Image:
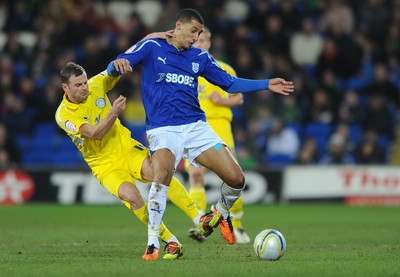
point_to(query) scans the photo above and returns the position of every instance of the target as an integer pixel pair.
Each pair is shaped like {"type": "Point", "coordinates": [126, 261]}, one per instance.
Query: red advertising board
{"type": "Point", "coordinates": [16, 187]}
{"type": "Point", "coordinates": [356, 185]}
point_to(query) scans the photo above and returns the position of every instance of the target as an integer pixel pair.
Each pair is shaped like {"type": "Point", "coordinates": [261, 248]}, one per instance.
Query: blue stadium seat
{"type": "Point", "coordinates": [39, 152]}
{"type": "Point", "coordinates": [296, 127]}
{"type": "Point", "coordinates": [41, 144]}
{"type": "Point", "coordinates": [37, 158]}
{"type": "Point", "coordinates": [65, 144]}
{"type": "Point", "coordinates": [23, 143]}
{"type": "Point", "coordinates": [46, 129]}
{"type": "Point", "coordinates": [357, 83]}
{"type": "Point", "coordinates": [238, 114]}
{"type": "Point", "coordinates": [320, 132]}
{"type": "Point", "coordinates": [356, 133]}
{"type": "Point", "coordinates": [279, 160]}
{"type": "Point", "coordinates": [363, 100]}
{"type": "Point", "coordinates": [68, 159]}
{"type": "Point", "coordinates": [384, 142]}
{"type": "Point", "coordinates": [309, 70]}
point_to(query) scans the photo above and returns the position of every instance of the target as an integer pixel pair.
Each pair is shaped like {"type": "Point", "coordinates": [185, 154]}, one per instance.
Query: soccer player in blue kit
{"type": "Point", "coordinates": [175, 124]}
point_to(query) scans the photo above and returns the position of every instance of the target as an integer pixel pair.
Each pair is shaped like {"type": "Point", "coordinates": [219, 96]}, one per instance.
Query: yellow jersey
{"type": "Point", "coordinates": [205, 89]}
{"type": "Point", "coordinates": [100, 155]}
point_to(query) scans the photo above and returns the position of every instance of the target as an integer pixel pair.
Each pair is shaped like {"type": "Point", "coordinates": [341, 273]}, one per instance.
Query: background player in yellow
{"type": "Point", "coordinates": [116, 159]}
{"type": "Point", "coordinates": [216, 104]}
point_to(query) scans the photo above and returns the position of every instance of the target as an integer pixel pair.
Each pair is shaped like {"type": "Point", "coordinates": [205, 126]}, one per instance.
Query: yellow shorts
{"type": "Point", "coordinates": [125, 169]}
{"type": "Point", "coordinates": [223, 129]}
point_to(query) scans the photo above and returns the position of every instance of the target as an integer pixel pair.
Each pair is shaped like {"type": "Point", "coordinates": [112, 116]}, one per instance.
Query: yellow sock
{"type": "Point", "coordinates": [199, 197]}
{"type": "Point", "coordinates": [141, 213]}
{"type": "Point", "coordinates": [237, 213]}
{"type": "Point", "coordinates": [181, 198]}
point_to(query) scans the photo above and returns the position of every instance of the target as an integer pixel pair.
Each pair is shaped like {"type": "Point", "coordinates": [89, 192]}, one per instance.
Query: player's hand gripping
{"type": "Point", "coordinates": [162, 35]}
{"type": "Point", "coordinates": [216, 98]}
{"type": "Point", "coordinates": [118, 105]}
{"type": "Point", "coordinates": [122, 65]}
{"type": "Point", "coordinates": [279, 85]}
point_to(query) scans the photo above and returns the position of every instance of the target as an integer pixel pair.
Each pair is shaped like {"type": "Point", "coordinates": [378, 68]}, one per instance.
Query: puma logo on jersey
{"type": "Point", "coordinates": [163, 60]}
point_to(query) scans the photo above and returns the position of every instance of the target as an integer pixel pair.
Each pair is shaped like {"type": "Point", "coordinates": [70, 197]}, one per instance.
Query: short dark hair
{"type": "Point", "coordinates": [187, 15]}
{"type": "Point", "coordinates": [70, 69]}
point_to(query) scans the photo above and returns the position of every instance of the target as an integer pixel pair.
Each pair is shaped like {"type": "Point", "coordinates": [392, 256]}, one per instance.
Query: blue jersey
{"type": "Point", "coordinates": [169, 81]}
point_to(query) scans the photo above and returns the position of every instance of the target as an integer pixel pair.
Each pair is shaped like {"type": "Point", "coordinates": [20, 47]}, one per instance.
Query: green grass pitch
{"type": "Point", "coordinates": [322, 240]}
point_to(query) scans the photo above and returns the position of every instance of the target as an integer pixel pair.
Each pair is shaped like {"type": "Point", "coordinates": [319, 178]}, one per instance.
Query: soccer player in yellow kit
{"type": "Point", "coordinates": [216, 104]}
{"type": "Point", "coordinates": [116, 159]}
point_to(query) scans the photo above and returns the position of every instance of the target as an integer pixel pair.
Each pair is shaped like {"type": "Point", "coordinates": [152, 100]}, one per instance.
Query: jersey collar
{"type": "Point", "coordinates": [71, 105]}
{"type": "Point", "coordinates": [68, 104]}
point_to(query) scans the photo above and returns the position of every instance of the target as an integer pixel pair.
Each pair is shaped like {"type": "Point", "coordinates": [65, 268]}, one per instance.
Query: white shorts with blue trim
{"type": "Point", "coordinates": [184, 141]}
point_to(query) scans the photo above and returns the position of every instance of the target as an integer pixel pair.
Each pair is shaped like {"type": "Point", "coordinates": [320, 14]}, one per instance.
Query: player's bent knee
{"type": "Point", "coordinates": [136, 201]}
{"type": "Point", "coordinates": [147, 170]}
{"type": "Point", "coordinates": [236, 180]}
{"type": "Point", "coordinates": [240, 181]}
{"type": "Point", "coordinates": [129, 193]}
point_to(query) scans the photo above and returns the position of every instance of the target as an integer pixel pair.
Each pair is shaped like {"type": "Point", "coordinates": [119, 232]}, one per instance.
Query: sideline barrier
{"type": "Point", "coordinates": [74, 186]}
{"type": "Point", "coordinates": [355, 185]}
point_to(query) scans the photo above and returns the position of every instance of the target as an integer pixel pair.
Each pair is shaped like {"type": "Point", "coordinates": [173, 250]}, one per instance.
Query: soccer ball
{"type": "Point", "coordinates": [269, 244]}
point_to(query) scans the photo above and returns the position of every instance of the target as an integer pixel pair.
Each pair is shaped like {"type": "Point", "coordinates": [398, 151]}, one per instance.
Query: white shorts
{"type": "Point", "coordinates": [184, 141]}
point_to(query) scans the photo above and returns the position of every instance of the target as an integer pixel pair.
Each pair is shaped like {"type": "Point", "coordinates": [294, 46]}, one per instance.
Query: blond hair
{"type": "Point", "coordinates": [207, 32]}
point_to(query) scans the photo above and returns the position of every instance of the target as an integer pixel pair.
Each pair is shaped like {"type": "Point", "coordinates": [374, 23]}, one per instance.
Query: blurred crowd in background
{"type": "Point", "coordinates": [343, 56]}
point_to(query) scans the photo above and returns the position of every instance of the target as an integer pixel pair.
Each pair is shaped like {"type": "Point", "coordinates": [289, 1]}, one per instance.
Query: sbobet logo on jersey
{"type": "Point", "coordinates": [176, 79]}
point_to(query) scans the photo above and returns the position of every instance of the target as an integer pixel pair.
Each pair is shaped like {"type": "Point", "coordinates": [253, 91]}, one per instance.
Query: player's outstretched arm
{"type": "Point", "coordinates": [279, 85]}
